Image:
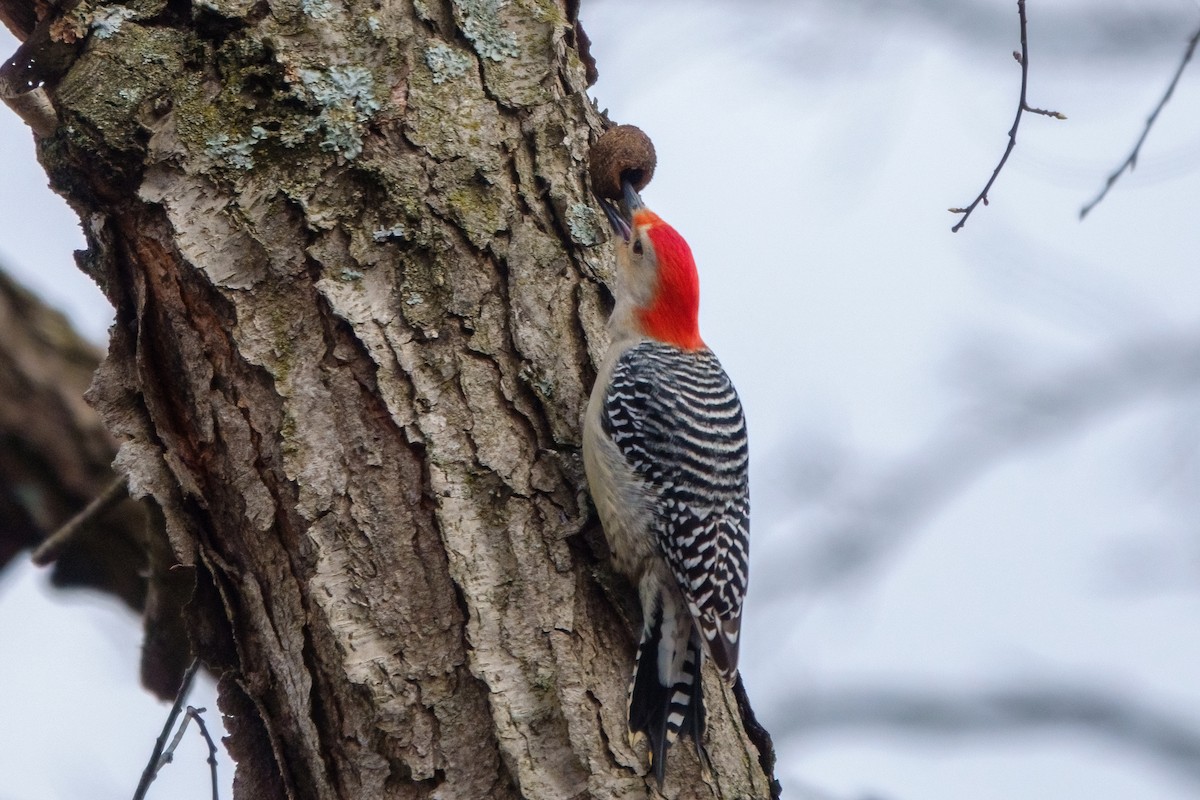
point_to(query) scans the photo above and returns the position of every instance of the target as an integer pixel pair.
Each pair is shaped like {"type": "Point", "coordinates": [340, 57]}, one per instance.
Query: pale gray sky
{"type": "Point", "coordinates": [809, 155]}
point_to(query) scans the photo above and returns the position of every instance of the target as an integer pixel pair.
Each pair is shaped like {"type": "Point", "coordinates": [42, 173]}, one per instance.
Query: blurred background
{"type": "Point", "coordinates": [976, 455]}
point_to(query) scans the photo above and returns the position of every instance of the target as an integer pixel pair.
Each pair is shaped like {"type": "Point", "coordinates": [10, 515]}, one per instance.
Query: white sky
{"type": "Point", "coordinates": [809, 158]}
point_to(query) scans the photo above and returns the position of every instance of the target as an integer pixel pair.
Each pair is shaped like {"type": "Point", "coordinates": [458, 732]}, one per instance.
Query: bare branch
{"type": "Point", "coordinates": [156, 755]}
{"type": "Point", "coordinates": [1022, 58]}
{"type": "Point", "coordinates": [1131, 161]}
{"type": "Point", "coordinates": [1001, 711]}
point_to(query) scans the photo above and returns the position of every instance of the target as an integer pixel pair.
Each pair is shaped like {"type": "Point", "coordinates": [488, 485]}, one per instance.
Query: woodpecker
{"type": "Point", "coordinates": [665, 452]}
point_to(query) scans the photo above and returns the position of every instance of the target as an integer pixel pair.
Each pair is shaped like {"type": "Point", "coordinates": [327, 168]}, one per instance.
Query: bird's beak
{"type": "Point", "coordinates": [620, 217]}
{"type": "Point", "coordinates": [632, 202]}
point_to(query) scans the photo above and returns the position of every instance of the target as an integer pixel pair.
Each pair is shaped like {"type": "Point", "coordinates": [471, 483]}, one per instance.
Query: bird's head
{"type": "Point", "coordinates": [658, 289]}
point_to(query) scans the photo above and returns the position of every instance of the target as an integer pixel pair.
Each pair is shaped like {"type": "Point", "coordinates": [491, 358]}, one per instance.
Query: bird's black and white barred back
{"type": "Point", "coordinates": [677, 420]}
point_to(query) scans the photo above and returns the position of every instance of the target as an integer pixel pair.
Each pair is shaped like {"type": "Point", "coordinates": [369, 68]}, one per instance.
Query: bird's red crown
{"type": "Point", "coordinates": [672, 316]}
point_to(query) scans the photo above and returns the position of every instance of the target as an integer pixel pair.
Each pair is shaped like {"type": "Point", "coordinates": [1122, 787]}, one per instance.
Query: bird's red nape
{"type": "Point", "coordinates": [673, 315]}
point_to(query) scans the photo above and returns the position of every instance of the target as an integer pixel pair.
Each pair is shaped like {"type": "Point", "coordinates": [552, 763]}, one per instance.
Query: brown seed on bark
{"type": "Point", "coordinates": [621, 152]}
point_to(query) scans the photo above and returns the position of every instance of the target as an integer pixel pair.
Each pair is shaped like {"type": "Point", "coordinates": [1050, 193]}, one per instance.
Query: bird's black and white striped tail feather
{"type": "Point", "coordinates": [659, 712]}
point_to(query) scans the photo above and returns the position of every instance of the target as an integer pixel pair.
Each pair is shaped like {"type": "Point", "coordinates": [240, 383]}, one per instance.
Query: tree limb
{"type": "Point", "coordinates": [55, 459]}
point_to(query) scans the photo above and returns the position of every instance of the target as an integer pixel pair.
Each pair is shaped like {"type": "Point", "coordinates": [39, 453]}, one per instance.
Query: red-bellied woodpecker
{"type": "Point", "coordinates": [664, 446]}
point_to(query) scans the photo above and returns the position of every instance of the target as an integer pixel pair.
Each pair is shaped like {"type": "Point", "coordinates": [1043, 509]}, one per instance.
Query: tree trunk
{"type": "Point", "coordinates": [359, 301]}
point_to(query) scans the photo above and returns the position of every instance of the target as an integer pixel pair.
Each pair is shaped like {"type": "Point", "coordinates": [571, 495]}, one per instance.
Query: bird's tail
{"type": "Point", "coordinates": [665, 695]}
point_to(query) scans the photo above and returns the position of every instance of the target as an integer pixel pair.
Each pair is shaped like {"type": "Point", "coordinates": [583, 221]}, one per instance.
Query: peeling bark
{"type": "Point", "coordinates": [360, 295]}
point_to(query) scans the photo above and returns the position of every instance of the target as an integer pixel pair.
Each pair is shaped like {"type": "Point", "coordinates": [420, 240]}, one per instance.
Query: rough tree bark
{"type": "Point", "coordinates": [360, 293]}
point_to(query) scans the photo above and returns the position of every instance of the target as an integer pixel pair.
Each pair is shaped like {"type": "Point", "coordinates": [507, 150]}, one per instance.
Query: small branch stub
{"type": "Point", "coordinates": [621, 152]}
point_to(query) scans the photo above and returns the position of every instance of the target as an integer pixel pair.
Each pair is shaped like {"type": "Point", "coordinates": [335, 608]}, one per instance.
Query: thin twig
{"type": "Point", "coordinates": [50, 549]}
{"type": "Point", "coordinates": [1131, 162]}
{"type": "Point", "coordinates": [195, 713]}
{"type": "Point", "coordinates": [1022, 106]}
{"type": "Point", "coordinates": [156, 755]}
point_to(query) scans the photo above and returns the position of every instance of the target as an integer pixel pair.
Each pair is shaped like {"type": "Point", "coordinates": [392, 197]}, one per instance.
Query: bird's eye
{"type": "Point", "coordinates": [637, 247]}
